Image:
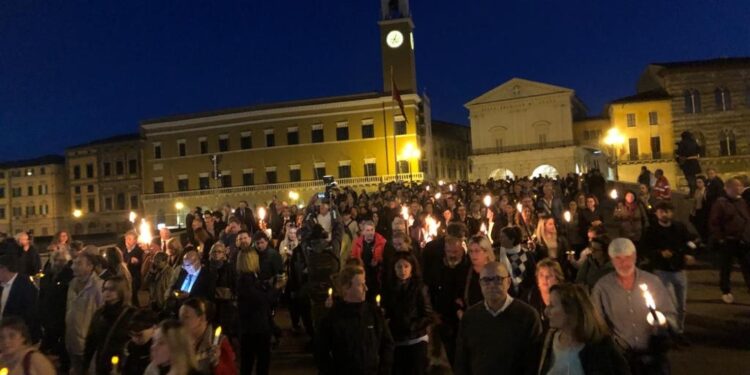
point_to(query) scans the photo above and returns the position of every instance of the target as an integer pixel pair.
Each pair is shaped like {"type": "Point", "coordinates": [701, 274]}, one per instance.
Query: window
{"type": "Point", "coordinates": [183, 184]}
{"type": "Point", "coordinates": [77, 172]}
{"type": "Point", "coordinates": [319, 170]}
{"type": "Point", "coordinates": [342, 131]}
{"type": "Point", "coordinates": [42, 170]}
{"type": "Point", "coordinates": [134, 202]}
{"type": "Point", "coordinates": [368, 131]}
{"type": "Point", "coordinates": [30, 210]}
{"type": "Point", "coordinates": [2, 213]}
{"type": "Point", "coordinates": [248, 177]}
{"type": "Point", "coordinates": [246, 141]}
{"type": "Point", "coordinates": [317, 133]}
{"type": "Point", "coordinates": [292, 136]}
{"type": "Point", "coordinates": [223, 143]}
{"type": "Point", "coordinates": [158, 186]}
{"type": "Point", "coordinates": [91, 204]}
{"type": "Point", "coordinates": [77, 189]}
{"type": "Point", "coordinates": [78, 204]}
{"type": "Point", "coordinates": [30, 191]}
{"type": "Point", "coordinates": [403, 166]}
{"type": "Point", "coordinates": [655, 148]}
{"type": "Point", "coordinates": [2, 192]}
{"type": "Point", "coordinates": [108, 204]}
{"type": "Point", "coordinates": [295, 175]}
{"type": "Point", "coordinates": [542, 139]}
{"type": "Point", "coordinates": [203, 145]}
{"type": "Point", "coordinates": [692, 101]}
{"type": "Point", "coordinates": [89, 188]}
{"type": "Point", "coordinates": [727, 143]}
{"type": "Point", "coordinates": [181, 148]}
{"type": "Point", "coordinates": [42, 190]}
{"type": "Point", "coordinates": [630, 117]}
{"type": "Point", "coordinates": [120, 201]}
{"type": "Point", "coordinates": [633, 148]}
{"type": "Point", "coordinates": [119, 168]}
{"type": "Point", "coordinates": [132, 166]}
{"type": "Point", "coordinates": [2, 175]}
{"type": "Point", "coordinates": [399, 125]}
{"type": "Point", "coordinates": [271, 176]}
{"type": "Point", "coordinates": [371, 168]}
{"type": "Point", "coordinates": [723, 99]}
{"type": "Point", "coordinates": [89, 170]}
{"type": "Point", "coordinates": [203, 182]}
{"type": "Point", "coordinates": [107, 167]}
{"type": "Point", "coordinates": [270, 138]}
{"type": "Point", "coordinates": [17, 192]}
{"type": "Point", "coordinates": [653, 118]}
{"type": "Point", "coordinates": [157, 150]}
{"type": "Point", "coordinates": [16, 211]}
{"type": "Point", "coordinates": [43, 209]}
{"type": "Point", "coordinates": [226, 180]}
{"type": "Point", "coordinates": [345, 170]}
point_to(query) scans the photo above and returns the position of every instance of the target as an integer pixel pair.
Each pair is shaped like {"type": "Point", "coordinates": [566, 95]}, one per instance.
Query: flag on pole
{"type": "Point", "coordinates": [396, 96]}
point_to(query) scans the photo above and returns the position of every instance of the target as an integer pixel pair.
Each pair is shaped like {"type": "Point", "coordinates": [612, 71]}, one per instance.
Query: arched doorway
{"type": "Point", "coordinates": [501, 174]}
{"type": "Point", "coordinates": [545, 170]}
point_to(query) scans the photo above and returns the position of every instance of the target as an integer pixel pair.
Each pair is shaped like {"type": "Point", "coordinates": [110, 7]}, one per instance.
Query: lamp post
{"type": "Point", "coordinates": [410, 153]}
{"type": "Point", "coordinates": [179, 206]}
{"type": "Point", "coordinates": [614, 139]}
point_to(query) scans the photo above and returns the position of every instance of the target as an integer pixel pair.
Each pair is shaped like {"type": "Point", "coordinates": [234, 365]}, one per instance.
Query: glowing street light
{"type": "Point", "coordinates": [179, 205]}
{"type": "Point", "coordinates": [293, 195]}
{"type": "Point", "coordinates": [77, 213]}
{"type": "Point", "coordinates": [614, 139]}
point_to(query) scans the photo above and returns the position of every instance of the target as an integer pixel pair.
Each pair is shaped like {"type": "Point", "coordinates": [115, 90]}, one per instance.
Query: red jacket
{"type": "Point", "coordinates": [377, 249]}
{"type": "Point", "coordinates": [662, 190]}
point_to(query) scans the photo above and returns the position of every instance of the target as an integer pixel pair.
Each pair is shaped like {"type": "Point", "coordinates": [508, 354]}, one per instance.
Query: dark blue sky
{"type": "Point", "coordinates": [73, 71]}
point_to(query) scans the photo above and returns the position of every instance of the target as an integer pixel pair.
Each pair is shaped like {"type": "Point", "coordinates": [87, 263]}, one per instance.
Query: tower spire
{"type": "Point", "coordinates": [394, 9]}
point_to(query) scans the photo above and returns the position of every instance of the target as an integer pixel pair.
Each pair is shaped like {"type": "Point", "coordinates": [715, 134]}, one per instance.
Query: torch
{"type": "Point", "coordinates": [144, 235]}
{"type": "Point", "coordinates": [654, 317]}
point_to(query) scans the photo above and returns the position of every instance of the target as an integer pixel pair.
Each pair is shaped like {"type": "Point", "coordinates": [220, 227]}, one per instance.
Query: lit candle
{"type": "Point", "coordinates": [441, 182]}
{"type": "Point", "coordinates": [487, 200]}
{"type": "Point", "coordinates": [132, 217]}
{"type": "Point", "coordinates": [261, 213]}
{"type": "Point", "coordinates": [330, 292]}
{"type": "Point", "coordinates": [654, 317]}
{"type": "Point", "coordinates": [427, 188]}
{"type": "Point", "coordinates": [217, 335]}
{"type": "Point", "coordinates": [115, 360]}
{"type": "Point", "coordinates": [144, 235]}
{"type": "Point", "coordinates": [377, 300]}
{"type": "Point", "coordinates": [432, 228]}
{"type": "Point", "coordinates": [566, 215]}
{"type": "Point", "coordinates": [613, 194]}
{"type": "Point", "coordinates": [519, 207]}
{"type": "Point", "coordinates": [438, 195]}
{"type": "Point", "coordinates": [4, 371]}
{"type": "Point", "coordinates": [450, 187]}
{"type": "Point", "coordinates": [405, 212]}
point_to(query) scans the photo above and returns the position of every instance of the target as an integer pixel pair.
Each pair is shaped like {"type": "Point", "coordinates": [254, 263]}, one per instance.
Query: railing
{"type": "Point", "coordinates": [302, 185]}
{"type": "Point", "coordinates": [524, 147]}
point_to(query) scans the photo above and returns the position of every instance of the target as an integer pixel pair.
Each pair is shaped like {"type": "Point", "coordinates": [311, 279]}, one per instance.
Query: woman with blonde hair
{"type": "Point", "coordinates": [578, 341]}
{"type": "Point", "coordinates": [480, 253]}
{"type": "Point", "coordinates": [549, 244]}
{"type": "Point", "coordinates": [171, 351]}
{"type": "Point", "coordinates": [548, 274]}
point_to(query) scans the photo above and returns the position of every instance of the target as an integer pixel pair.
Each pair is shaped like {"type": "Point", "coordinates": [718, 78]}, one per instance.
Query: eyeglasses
{"type": "Point", "coordinates": [493, 279]}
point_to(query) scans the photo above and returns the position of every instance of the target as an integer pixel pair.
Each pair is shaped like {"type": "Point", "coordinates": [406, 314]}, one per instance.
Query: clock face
{"type": "Point", "coordinates": [394, 39]}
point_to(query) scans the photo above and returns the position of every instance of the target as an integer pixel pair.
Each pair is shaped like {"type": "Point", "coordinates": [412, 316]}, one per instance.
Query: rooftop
{"type": "Point", "coordinates": [717, 62]}
{"type": "Point", "coordinates": [114, 139]}
{"type": "Point", "coordinates": [42, 160]}
{"type": "Point", "coordinates": [658, 94]}
{"type": "Point", "coordinates": [257, 107]}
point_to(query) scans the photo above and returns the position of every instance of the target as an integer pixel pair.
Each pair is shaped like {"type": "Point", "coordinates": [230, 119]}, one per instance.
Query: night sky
{"type": "Point", "coordinates": [73, 71]}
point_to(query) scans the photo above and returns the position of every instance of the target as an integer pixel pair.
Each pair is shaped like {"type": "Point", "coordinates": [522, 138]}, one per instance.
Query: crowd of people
{"type": "Point", "coordinates": [521, 276]}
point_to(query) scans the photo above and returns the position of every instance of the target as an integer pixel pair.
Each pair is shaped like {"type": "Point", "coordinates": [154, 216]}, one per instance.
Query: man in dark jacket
{"type": "Point", "coordinates": [246, 216]}
{"type": "Point", "coordinates": [194, 281]}
{"type": "Point", "coordinates": [645, 177]}
{"type": "Point", "coordinates": [28, 257]}
{"type": "Point", "coordinates": [729, 225]}
{"type": "Point", "coordinates": [19, 296]}
{"type": "Point", "coordinates": [714, 187]}
{"type": "Point", "coordinates": [688, 153]}
{"type": "Point", "coordinates": [132, 254]}
{"type": "Point", "coordinates": [668, 251]}
{"type": "Point", "coordinates": [354, 337]}
{"type": "Point", "coordinates": [53, 291]}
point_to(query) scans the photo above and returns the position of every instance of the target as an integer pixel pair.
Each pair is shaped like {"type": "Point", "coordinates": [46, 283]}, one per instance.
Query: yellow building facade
{"type": "Point", "coordinates": [644, 122]}
{"type": "Point", "coordinates": [33, 197]}
{"type": "Point", "coordinates": [258, 152]}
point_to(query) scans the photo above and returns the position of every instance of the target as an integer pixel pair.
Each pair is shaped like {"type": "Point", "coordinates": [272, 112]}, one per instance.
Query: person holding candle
{"type": "Point", "coordinates": [549, 244]}
{"type": "Point", "coordinates": [194, 280]}
{"type": "Point", "coordinates": [617, 298]}
{"type": "Point", "coordinates": [214, 356]}
{"type": "Point", "coordinates": [578, 341]}
{"type": "Point", "coordinates": [17, 353]}
{"type": "Point", "coordinates": [135, 356]}
{"type": "Point", "coordinates": [108, 332]}
{"type": "Point", "coordinates": [575, 238]}
{"type": "Point", "coordinates": [354, 337]}
{"type": "Point", "coordinates": [171, 351]}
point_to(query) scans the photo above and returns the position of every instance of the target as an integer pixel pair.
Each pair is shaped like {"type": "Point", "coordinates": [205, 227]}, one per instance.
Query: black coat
{"type": "Point", "coordinates": [53, 292]}
{"type": "Point", "coordinates": [29, 262]}
{"type": "Point", "coordinates": [253, 304]}
{"type": "Point", "coordinates": [408, 309]}
{"type": "Point", "coordinates": [204, 287]}
{"type": "Point", "coordinates": [107, 336]}
{"type": "Point", "coordinates": [22, 303]}
{"type": "Point", "coordinates": [354, 339]}
{"type": "Point", "coordinates": [600, 358]}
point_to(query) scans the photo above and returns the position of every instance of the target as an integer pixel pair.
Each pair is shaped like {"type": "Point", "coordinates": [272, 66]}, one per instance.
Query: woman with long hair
{"type": "Point", "coordinates": [211, 358]}
{"type": "Point", "coordinates": [114, 264]}
{"type": "Point", "coordinates": [62, 240]}
{"type": "Point", "coordinates": [171, 351]}
{"type": "Point", "coordinates": [551, 245]}
{"type": "Point", "coordinates": [578, 341]}
{"type": "Point", "coordinates": [590, 216]}
{"type": "Point", "coordinates": [409, 314]}
{"type": "Point", "coordinates": [480, 253]}
{"type": "Point", "coordinates": [548, 274]}
{"type": "Point", "coordinates": [108, 332]}
{"type": "Point", "coordinates": [17, 354]}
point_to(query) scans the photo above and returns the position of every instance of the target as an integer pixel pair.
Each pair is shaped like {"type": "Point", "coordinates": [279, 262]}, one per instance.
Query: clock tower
{"type": "Point", "coordinates": [397, 46]}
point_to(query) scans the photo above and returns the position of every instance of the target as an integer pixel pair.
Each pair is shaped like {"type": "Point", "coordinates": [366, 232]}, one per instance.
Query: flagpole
{"type": "Point", "coordinates": [395, 152]}
{"type": "Point", "coordinates": [385, 138]}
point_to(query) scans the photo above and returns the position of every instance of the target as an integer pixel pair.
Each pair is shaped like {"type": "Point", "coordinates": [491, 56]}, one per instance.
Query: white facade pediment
{"type": "Point", "coordinates": [517, 88]}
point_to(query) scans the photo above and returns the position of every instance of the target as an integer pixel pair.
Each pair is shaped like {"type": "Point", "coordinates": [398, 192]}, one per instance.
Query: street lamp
{"type": "Point", "coordinates": [179, 206]}
{"type": "Point", "coordinates": [614, 139]}
{"type": "Point", "coordinates": [410, 153]}
{"type": "Point", "coordinates": [77, 213]}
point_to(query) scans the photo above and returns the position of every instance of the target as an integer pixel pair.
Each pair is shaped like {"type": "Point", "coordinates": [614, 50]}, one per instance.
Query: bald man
{"type": "Point", "coordinates": [194, 279]}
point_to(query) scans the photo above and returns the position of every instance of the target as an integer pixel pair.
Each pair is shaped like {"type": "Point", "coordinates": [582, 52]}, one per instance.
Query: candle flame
{"type": "Point", "coordinates": [648, 297]}
{"type": "Point", "coordinates": [566, 215]}
{"type": "Point", "coordinates": [432, 227]}
{"type": "Point", "coordinates": [132, 217]}
{"type": "Point", "coordinates": [427, 188]}
{"type": "Point", "coordinates": [613, 194]}
{"type": "Point", "coordinates": [377, 299]}
{"type": "Point", "coordinates": [405, 212]}
{"type": "Point", "coordinates": [330, 292]}
{"type": "Point", "coordinates": [487, 200]}
{"type": "Point", "coordinates": [438, 195]}
{"type": "Point", "coordinates": [450, 187]}
{"type": "Point", "coordinates": [144, 230]}
{"type": "Point", "coordinates": [261, 213]}
{"type": "Point", "coordinates": [217, 335]}
{"type": "Point", "coordinates": [115, 360]}
{"type": "Point", "coordinates": [519, 207]}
